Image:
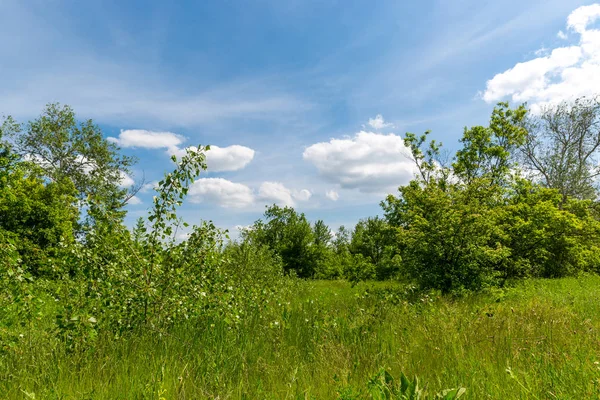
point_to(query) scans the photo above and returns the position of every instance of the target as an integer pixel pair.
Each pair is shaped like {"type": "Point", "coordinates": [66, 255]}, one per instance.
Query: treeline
{"type": "Point", "coordinates": [517, 200]}
{"type": "Point", "coordinates": [367, 252]}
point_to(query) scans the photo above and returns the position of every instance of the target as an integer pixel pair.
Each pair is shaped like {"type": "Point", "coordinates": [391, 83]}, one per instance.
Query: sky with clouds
{"type": "Point", "coordinates": [303, 102]}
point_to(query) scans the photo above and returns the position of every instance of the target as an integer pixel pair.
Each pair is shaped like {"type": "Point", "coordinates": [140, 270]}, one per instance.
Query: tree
{"type": "Point", "coordinates": [448, 229]}
{"type": "Point", "coordinates": [546, 237]}
{"type": "Point", "coordinates": [41, 215]}
{"type": "Point", "coordinates": [290, 236]}
{"type": "Point", "coordinates": [322, 234]}
{"type": "Point", "coordinates": [67, 150]}
{"type": "Point", "coordinates": [486, 151]}
{"type": "Point", "coordinates": [38, 215]}
{"type": "Point", "coordinates": [562, 147]}
{"type": "Point", "coordinates": [322, 255]}
{"type": "Point", "coordinates": [375, 241]}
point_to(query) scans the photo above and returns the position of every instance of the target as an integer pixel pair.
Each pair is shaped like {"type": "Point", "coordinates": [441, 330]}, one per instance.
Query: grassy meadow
{"type": "Point", "coordinates": [539, 340]}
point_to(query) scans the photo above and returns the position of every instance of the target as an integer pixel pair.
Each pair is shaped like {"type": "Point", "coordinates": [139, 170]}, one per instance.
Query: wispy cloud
{"type": "Point", "coordinates": [44, 62]}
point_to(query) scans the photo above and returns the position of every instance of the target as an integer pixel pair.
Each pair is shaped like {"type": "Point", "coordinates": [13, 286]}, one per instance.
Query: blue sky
{"type": "Point", "coordinates": [285, 90]}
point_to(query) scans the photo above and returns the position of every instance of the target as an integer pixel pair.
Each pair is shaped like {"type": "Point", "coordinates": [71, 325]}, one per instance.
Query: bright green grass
{"type": "Point", "coordinates": [331, 338]}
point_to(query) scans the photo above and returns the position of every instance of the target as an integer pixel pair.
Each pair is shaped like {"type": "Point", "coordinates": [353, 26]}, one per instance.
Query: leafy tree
{"type": "Point", "coordinates": [66, 150]}
{"type": "Point", "coordinates": [42, 217]}
{"type": "Point", "coordinates": [290, 236]}
{"type": "Point", "coordinates": [8, 159]}
{"type": "Point", "coordinates": [150, 277]}
{"type": "Point", "coordinates": [562, 147]}
{"type": "Point", "coordinates": [486, 151]}
{"type": "Point", "coordinates": [375, 241]}
{"type": "Point", "coordinates": [39, 216]}
{"type": "Point", "coordinates": [546, 237]}
{"type": "Point", "coordinates": [447, 229]}
{"type": "Point", "coordinates": [322, 234]}
{"type": "Point", "coordinates": [325, 263]}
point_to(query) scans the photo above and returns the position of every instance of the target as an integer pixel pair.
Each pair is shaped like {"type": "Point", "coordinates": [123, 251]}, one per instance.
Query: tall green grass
{"type": "Point", "coordinates": [539, 340]}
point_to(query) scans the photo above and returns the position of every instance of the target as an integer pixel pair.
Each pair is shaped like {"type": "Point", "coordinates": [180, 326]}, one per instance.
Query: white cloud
{"type": "Point", "coordinates": [332, 195]}
{"type": "Point", "coordinates": [370, 162]}
{"type": "Point", "coordinates": [126, 180]}
{"type": "Point", "coordinates": [182, 236]}
{"type": "Point", "coordinates": [561, 35]}
{"type": "Point", "coordinates": [222, 192]}
{"type": "Point", "coordinates": [237, 195]}
{"type": "Point", "coordinates": [277, 193]}
{"type": "Point", "coordinates": [582, 17]}
{"type": "Point", "coordinates": [564, 74]}
{"type": "Point", "coordinates": [302, 195]}
{"type": "Point", "coordinates": [218, 159]}
{"type": "Point", "coordinates": [146, 187]}
{"type": "Point", "coordinates": [134, 200]}
{"type": "Point", "coordinates": [230, 158]}
{"type": "Point", "coordinates": [147, 139]}
{"type": "Point", "coordinates": [378, 122]}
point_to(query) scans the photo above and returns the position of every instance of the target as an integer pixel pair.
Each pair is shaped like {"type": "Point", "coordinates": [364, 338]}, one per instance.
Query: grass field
{"type": "Point", "coordinates": [539, 340]}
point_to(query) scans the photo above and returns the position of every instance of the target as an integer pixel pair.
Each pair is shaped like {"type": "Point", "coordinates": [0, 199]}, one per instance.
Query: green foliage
{"type": "Point", "coordinates": [360, 269]}
{"type": "Point", "coordinates": [375, 242]}
{"type": "Point", "coordinates": [486, 152]}
{"type": "Point", "coordinates": [65, 150]}
{"type": "Point", "coordinates": [383, 386]}
{"type": "Point", "coordinates": [477, 224]}
{"type": "Point", "coordinates": [547, 237]}
{"type": "Point", "coordinates": [42, 216]}
{"type": "Point", "coordinates": [100, 311]}
{"type": "Point", "coordinates": [329, 342]}
{"type": "Point", "coordinates": [290, 236]}
{"type": "Point", "coordinates": [448, 238]}
{"type": "Point", "coordinates": [150, 279]}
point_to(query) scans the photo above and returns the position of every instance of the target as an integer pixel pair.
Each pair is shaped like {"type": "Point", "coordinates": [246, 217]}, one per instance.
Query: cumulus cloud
{"type": "Point", "coordinates": [126, 180]}
{"type": "Point", "coordinates": [146, 187]}
{"type": "Point", "coordinates": [579, 19]}
{"type": "Point", "coordinates": [332, 195]}
{"type": "Point", "coordinates": [378, 122]}
{"type": "Point", "coordinates": [222, 192]}
{"type": "Point", "coordinates": [218, 159]}
{"type": "Point", "coordinates": [230, 158]}
{"type": "Point", "coordinates": [563, 74]}
{"type": "Point", "coordinates": [275, 192]}
{"type": "Point", "coordinates": [134, 200]}
{"type": "Point", "coordinates": [370, 162]}
{"type": "Point", "coordinates": [237, 195]}
{"type": "Point", "coordinates": [302, 195]}
{"type": "Point", "coordinates": [147, 139]}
